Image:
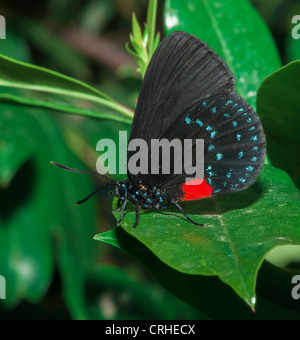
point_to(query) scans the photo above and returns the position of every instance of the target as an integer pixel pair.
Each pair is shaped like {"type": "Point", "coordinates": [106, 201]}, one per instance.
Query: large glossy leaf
{"type": "Point", "coordinates": [279, 108]}
{"type": "Point", "coordinates": [235, 31]}
{"type": "Point", "coordinates": [36, 86]}
{"type": "Point", "coordinates": [207, 293]}
{"type": "Point", "coordinates": [241, 229]}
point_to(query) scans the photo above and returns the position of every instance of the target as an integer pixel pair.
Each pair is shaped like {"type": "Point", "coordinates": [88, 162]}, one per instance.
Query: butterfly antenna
{"type": "Point", "coordinates": [82, 171]}
{"type": "Point", "coordinates": [93, 193]}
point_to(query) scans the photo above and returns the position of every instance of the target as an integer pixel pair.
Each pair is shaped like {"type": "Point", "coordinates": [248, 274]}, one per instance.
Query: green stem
{"type": "Point", "coordinates": [105, 102]}
{"type": "Point", "coordinates": [152, 12]}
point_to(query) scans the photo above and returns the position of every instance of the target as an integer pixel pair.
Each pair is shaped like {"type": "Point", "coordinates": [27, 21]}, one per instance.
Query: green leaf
{"type": "Point", "coordinates": [151, 26]}
{"type": "Point", "coordinates": [279, 108]}
{"type": "Point", "coordinates": [241, 228]}
{"type": "Point", "coordinates": [293, 48]}
{"type": "Point", "coordinates": [207, 293]}
{"type": "Point", "coordinates": [17, 143]}
{"type": "Point", "coordinates": [235, 31]}
{"type": "Point", "coordinates": [37, 86]}
{"type": "Point", "coordinates": [72, 227]}
{"type": "Point", "coordinates": [28, 224]}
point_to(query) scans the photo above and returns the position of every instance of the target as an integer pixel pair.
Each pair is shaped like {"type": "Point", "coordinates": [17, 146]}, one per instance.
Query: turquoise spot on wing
{"type": "Point", "coordinates": [209, 128]}
{"type": "Point", "coordinates": [227, 115]}
{"type": "Point", "coordinates": [249, 168]}
{"type": "Point", "coordinates": [188, 120]}
{"type": "Point", "coordinates": [214, 110]}
{"type": "Point", "coordinates": [212, 174]}
{"type": "Point", "coordinates": [199, 122]}
{"type": "Point", "coordinates": [211, 148]}
{"type": "Point", "coordinates": [255, 148]}
{"type": "Point", "coordinates": [229, 175]}
{"type": "Point", "coordinates": [204, 104]}
{"type": "Point", "coordinates": [254, 138]}
{"type": "Point", "coordinates": [254, 159]}
{"type": "Point", "coordinates": [219, 156]}
{"type": "Point", "coordinates": [213, 134]}
{"type": "Point", "coordinates": [235, 124]}
{"type": "Point", "coordinates": [239, 137]}
{"type": "Point", "coordinates": [229, 102]}
{"type": "Point", "coordinates": [241, 155]}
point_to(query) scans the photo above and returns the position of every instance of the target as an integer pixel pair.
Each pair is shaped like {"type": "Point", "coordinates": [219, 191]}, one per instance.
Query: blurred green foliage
{"type": "Point", "coordinates": [54, 268]}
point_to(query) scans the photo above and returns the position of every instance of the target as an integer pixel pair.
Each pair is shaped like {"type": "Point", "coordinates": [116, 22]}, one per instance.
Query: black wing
{"type": "Point", "coordinates": [182, 70]}
{"type": "Point", "coordinates": [234, 146]}
{"type": "Point", "coordinates": [189, 93]}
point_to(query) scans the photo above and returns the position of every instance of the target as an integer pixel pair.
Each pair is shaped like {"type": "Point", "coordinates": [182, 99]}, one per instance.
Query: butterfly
{"type": "Point", "coordinates": [189, 92]}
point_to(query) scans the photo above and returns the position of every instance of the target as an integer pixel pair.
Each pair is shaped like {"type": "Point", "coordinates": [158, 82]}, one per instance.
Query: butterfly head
{"type": "Point", "coordinates": [121, 191]}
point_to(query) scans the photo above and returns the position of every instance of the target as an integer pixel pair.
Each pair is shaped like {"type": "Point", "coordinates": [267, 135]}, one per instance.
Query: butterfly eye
{"type": "Point", "coordinates": [122, 191]}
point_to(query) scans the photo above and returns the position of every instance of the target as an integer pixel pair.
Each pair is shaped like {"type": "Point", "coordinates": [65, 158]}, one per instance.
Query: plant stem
{"type": "Point", "coordinates": [151, 19]}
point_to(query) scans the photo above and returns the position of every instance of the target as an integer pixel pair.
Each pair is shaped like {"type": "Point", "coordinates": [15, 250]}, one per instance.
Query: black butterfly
{"type": "Point", "coordinates": [189, 92]}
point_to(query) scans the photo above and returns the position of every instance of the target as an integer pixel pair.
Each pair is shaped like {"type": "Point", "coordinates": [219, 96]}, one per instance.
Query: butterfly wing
{"type": "Point", "coordinates": [234, 147]}
{"type": "Point", "coordinates": [183, 69]}
{"type": "Point", "coordinates": [188, 92]}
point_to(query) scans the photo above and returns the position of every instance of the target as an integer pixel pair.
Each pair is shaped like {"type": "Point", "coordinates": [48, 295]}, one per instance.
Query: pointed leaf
{"type": "Point", "coordinates": [235, 31]}
{"type": "Point", "coordinates": [241, 229]}
{"type": "Point", "coordinates": [36, 86]}
{"type": "Point", "coordinates": [279, 108]}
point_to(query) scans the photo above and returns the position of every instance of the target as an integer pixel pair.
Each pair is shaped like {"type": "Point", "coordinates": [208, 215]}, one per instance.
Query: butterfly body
{"type": "Point", "coordinates": [146, 198]}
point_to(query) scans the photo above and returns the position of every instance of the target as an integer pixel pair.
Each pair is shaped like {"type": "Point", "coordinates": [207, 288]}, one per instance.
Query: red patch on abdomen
{"type": "Point", "coordinates": [196, 190]}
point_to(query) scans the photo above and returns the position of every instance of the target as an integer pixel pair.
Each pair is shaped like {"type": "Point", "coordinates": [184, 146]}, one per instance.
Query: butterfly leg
{"type": "Point", "coordinates": [118, 207]}
{"type": "Point", "coordinates": [185, 215]}
{"type": "Point", "coordinates": [137, 216]}
{"type": "Point", "coordinates": [122, 213]}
